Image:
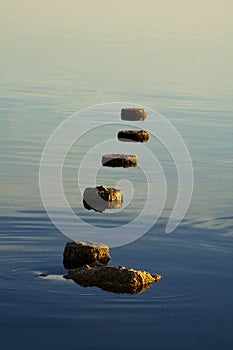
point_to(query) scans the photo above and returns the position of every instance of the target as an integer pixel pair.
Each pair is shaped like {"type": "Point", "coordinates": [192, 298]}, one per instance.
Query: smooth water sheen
{"type": "Point", "coordinates": [51, 71]}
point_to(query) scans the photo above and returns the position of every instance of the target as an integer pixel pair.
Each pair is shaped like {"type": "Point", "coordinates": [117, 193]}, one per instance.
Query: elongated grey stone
{"type": "Point", "coordinates": [136, 114]}
{"type": "Point", "coordinates": [133, 135]}
{"type": "Point", "coordinates": [78, 254]}
{"type": "Point", "coordinates": [120, 160]}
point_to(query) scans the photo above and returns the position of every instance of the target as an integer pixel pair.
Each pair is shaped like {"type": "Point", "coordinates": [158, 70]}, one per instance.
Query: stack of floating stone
{"type": "Point", "coordinates": [101, 197]}
{"type": "Point", "coordinates": [87, 262]}
{"type": "Point", "coordinates": [87, 265]}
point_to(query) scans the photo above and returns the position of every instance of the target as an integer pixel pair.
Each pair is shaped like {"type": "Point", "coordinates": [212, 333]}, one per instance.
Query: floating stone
{"type": "Point", "coordinates": [137, 114]}
{"type": "Point", "coordinates": [133, 136]}
{"type": "Point", "coordinates": [78, 254]}
{"type": "Point", "coordinates": [120, 160]}
{"type": "Point", "coordinates": [101, 198]}
{"type": "Point", "coordinates": [113, 279]}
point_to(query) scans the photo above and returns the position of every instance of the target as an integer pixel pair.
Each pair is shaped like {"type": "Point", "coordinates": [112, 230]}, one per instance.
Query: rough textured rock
{"type": "Point", "coordinates": [114, 279]}
{"type": "Point", "coordinates": [101, 198]}
{"type": "Point", "coordinates": [87, 265]}
{"type": "Point", "coordinates": [137, 114]}
{"type": "Point", "coordinates": [78, 254]}
{"type": "Point", "coordinates": [120, 160]}
{"type": "Point", "coordinates": [133, 136]}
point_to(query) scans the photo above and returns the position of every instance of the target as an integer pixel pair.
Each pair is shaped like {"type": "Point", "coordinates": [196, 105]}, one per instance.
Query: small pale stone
{"type": "Point", "coordinates": [78, 254]}
{"type": "Point", "coordinates": [120, 160]}
{"type": "Point", "coordinates": [136, 114]}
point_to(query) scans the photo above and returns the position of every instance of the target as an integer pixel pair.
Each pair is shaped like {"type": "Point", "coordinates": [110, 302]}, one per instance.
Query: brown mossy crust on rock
{"type": "Point", "coordinates": [78, 254]}
{"type": "Point", "coordinates": [137, 114]}
{"type": "Point", "coordinates": [133, 136]}
{"type": "Point", "coordinates": [113, 279]}
{"type": "Point", "coordinates": [101, 198]}
{"type": "Point", "coordinates": [109, 193]}
{"type": "Point", "coordinates": [120, 160]}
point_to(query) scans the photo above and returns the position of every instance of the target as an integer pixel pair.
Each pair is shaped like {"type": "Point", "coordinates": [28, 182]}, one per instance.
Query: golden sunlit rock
{"type": "Point", "coordinates": [120, 160]}
{"type": "Point", "coordinates": [113, 279]}
{"type": "Point", "coordinates": [80, 253]}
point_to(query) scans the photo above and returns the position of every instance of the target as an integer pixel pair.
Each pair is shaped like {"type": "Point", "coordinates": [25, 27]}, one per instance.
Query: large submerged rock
{"type": "Point", "coordinates": [78, 254]}
{"type": "Point", "coordinates": [114, 279]}
{"type": "Point", "coordinates": [120, 160]}
{"type": "Point", "coordinates": [137, 114]}
{"type": "Point", "coordinates": [133, 135]}
{"type": "Point", "coordinates": [101, 198]}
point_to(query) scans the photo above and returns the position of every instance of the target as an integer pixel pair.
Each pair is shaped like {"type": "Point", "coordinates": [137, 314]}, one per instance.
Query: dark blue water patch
{"type": "Point", "coordinates": [225, 218]}
{"type": "Point", "coordinates": [191, 307]}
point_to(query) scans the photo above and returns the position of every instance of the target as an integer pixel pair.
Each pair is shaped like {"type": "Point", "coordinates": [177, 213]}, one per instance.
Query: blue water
{"type": "Point", "coordinates": [184, 75]}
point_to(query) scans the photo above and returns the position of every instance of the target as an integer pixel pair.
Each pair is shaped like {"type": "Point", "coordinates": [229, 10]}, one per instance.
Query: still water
{"type": "Point", "coordinates": [182, 74]}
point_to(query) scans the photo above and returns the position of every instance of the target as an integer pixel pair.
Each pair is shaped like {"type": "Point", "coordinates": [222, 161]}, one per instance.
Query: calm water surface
{"type": "Point", "coordinates": [184, 75]}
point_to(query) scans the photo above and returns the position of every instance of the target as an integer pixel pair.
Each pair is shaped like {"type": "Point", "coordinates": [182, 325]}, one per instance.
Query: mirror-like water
{"type": "Point", "coordinates": [51, 71]}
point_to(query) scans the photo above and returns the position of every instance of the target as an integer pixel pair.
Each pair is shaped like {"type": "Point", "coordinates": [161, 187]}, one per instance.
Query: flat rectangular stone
{"type": "Point", "coordinates": [120, 160]}
{"type": "Point", "coordinates": [133, 136]}
{"type": "Point", "coordinates": [136, 114]}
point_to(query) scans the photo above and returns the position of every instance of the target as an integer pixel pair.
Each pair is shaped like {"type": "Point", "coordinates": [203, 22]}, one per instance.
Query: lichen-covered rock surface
{"type": "Point", "coordinates": [114, 279]}
{"type": "Point", "coordinates": [120, 160]}
{"type": "Point", "coordinates": [78, 254]}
